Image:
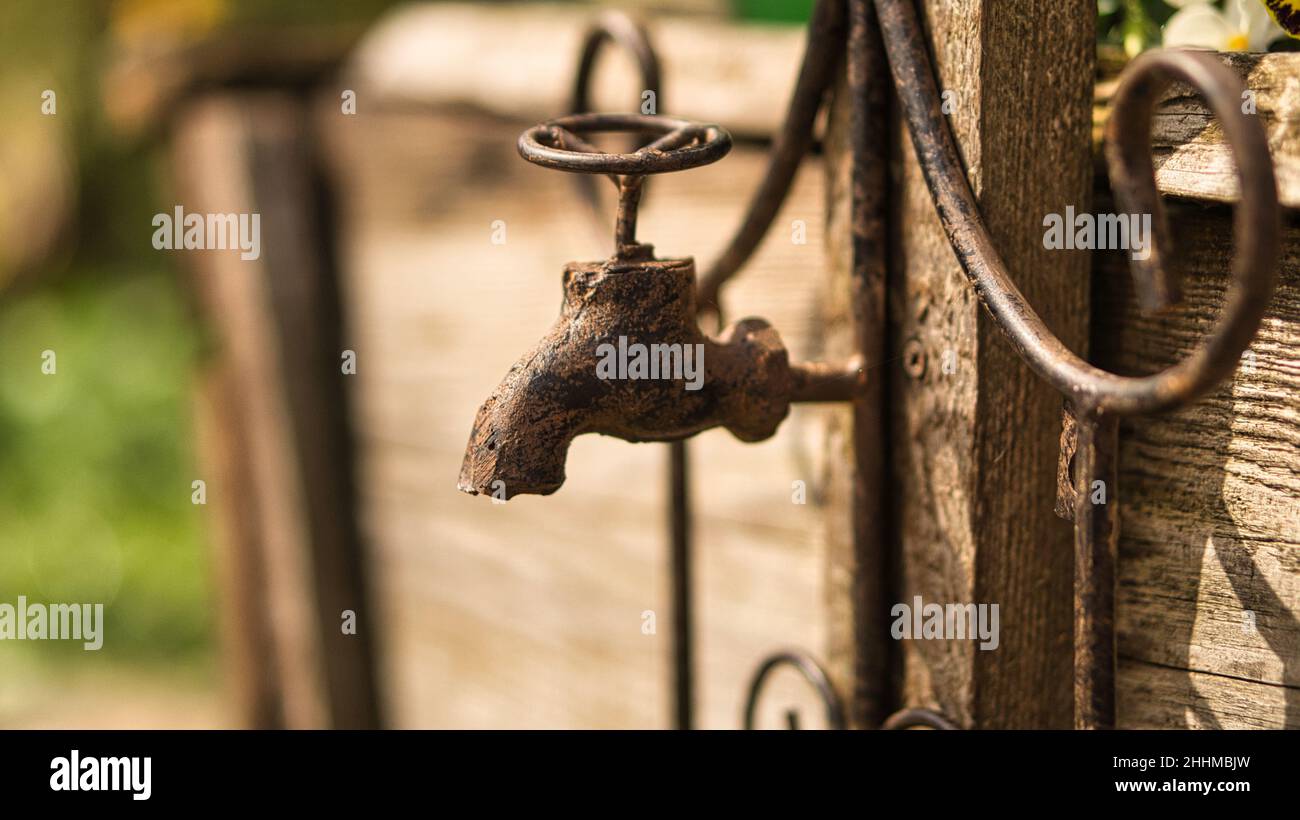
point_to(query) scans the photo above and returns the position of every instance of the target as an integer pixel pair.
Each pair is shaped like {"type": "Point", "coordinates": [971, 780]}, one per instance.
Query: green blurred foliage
{"type": "Point", "coordinates": [1131, 24]}
{"type": "Point", "coordinates": [1136, 25]}
{"type": "Point", "coordinates": [95, 459]}
{"type": "Point", "coordinates": [783, 11]}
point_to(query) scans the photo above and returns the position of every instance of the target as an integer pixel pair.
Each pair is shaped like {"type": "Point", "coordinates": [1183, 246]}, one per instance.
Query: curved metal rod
{"type": "Point", "coordinates": [1255, 230]}
{"type": "Point", "coordinates": [811, 671]}
{"type": "Point", "coordinates": [911, 718]}
{"type": "Point", "coordinates": [611, 26]}
{"type": "Point", "coordinates": [616, 27]}
{"type": "Point", "coordinates": [822, 53]}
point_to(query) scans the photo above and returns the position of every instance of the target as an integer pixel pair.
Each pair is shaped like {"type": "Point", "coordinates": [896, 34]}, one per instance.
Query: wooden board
{"type": "Point", "coordinates": [1189, 152]}
{"type": "Point", "coordinates": [271, 415]}
{"type": "Point", "coordinates": [1156, 697]}
{"type": "Point", "coordinates": [1210, 495]}
{"type": "Point", "coordinates": [975, 449]}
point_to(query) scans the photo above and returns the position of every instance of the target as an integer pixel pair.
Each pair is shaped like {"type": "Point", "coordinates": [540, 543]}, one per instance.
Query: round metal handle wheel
{"type": "Point", "coordinates": [558, 144]}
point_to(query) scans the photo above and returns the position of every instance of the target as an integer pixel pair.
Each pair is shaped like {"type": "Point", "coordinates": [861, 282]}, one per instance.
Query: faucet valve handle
{"type": "Point", "coordinates": [558, 144]}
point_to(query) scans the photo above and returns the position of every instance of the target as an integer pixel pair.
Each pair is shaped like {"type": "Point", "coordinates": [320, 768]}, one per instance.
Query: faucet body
{"type": "Point", "coordinates": [561, 388]}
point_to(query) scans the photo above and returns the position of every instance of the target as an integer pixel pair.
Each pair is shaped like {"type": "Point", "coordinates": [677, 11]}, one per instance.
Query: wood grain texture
{"type": "Point", "coordinates": [845, 661]}
{"type": "Point", "coordinates": [975, 443]}
{"type": "Point", "coordinates": [1156, 697]}
{"type": "Point", "coordinates": [1191, 157]}
{"type": "Point", "coordinates": [1209, 559]}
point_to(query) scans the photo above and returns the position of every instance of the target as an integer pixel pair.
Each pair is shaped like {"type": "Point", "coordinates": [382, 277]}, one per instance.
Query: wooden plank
{"type": "Point", "coordinates": [148, 79]}
{"type": "Point", "coordinates": [1189, 152]}
{"type": "Point", "coordinates": [1209, 558]}
{"type": "Point", "coordinates": [275, 323]}
{"type": "Point", "coordinates": [251, 685]}
{"type": "Point", "coordinates": [976, 447]}
{"type": "Point", "coordinates": [1154, 697]}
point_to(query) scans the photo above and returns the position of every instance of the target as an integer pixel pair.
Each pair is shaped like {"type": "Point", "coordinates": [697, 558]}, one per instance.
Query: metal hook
{"type": "Point", "coordinates": [613, 26]}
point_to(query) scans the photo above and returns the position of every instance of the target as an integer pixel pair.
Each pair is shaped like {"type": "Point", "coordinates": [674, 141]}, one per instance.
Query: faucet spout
{"type": "Point", "coordinates": [626, 359]}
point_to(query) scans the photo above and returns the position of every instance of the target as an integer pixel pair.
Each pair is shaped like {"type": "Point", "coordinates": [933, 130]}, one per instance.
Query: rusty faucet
{"type": "Point", "coordinates": [626, 357]}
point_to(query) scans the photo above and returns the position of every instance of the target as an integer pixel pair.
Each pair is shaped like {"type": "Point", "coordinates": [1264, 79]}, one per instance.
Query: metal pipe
{"type": "Point", "coordinates": [873, 568]}
{"type": "Point", "coordinates": [823, 382]}
{"type": "Point", "coordinates": [617, 27]}
{"type": "Point", "coordinates": [679, 505]}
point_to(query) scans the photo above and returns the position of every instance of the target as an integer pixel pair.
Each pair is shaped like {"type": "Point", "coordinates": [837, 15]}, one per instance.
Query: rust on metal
{"type": "Point", "coordinates": [1096, 541]}
{"type": "Point", "coordinates": [555, 391]}
{"type": "Point", "coordinates": [617, 27]}
{"type": "Point", "coordinates": [872, 589]}
{"type": "Point", "coordinates": [682, 144]}
{"type": "Point", "coordinates": [823, 382]}
{"type": "Point", "coordinates": [1256, 225]}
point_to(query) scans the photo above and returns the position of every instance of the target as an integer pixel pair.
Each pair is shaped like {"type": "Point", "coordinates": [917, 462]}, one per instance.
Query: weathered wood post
{"type": "Point", "coordinates": [972, 436]}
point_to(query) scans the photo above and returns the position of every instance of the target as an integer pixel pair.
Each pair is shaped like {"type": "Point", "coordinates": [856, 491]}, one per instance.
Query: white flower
{"type": "Point", "coordinates": [1243, 25]}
